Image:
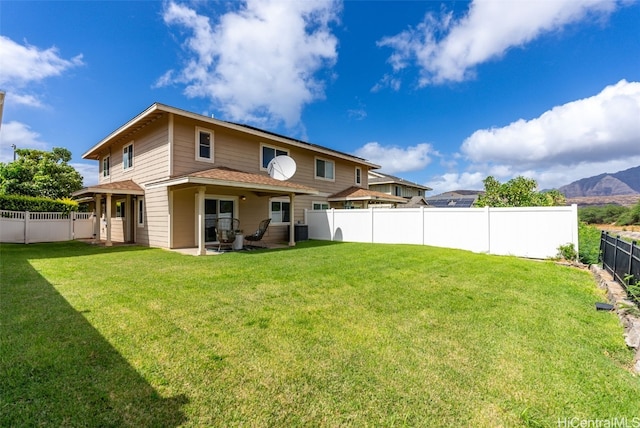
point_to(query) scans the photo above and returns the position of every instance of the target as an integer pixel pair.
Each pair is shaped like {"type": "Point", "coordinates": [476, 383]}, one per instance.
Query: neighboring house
{"type": "Point", "coordinates": [167, 175]}
{"type": "Point", "coordinates": [412, 193]}
{"type": "Point", "coordinates": [454, 199]}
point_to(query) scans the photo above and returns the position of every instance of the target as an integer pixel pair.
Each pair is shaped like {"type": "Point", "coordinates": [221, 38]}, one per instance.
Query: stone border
{"type": "Point", "coordinates": [624, 308]}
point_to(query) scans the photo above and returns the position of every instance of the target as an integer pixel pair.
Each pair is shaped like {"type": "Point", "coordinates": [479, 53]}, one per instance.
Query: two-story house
{"type": "Point", "coordinates": [399, 187]}
{"type": "Point", "coordinates": [167, 174]}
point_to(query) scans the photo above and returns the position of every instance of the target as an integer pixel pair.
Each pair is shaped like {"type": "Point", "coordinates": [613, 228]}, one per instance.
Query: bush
{"type": "Point", "coordinates": [601, 214]}
{"type": "Point", "coordinates": [36, 204]}
{"type": "Point", "coordinates": [630, 217]}
{"type": "Point", "coordinates": [588, 243]}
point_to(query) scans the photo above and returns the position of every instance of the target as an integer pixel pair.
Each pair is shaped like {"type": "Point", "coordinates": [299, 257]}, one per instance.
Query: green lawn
{"type": "Point", "coordinates": [323, 334]}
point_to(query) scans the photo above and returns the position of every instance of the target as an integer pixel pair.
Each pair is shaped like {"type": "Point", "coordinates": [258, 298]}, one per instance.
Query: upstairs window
{"type": "Point", "coordinates": [325, 169]}
{"type": "Point", "coordinates": [106, 171]}
{"type": "Point", "coordinates": [398, 191]}
{"type": "Point", "coordinates": [358, 176]}
{"type": "Point", "coordinates": [127, 156]}
{"type": "Point", "coordinates": [268, 153]}
{"type": "Point", "coordinates": [204, 145]}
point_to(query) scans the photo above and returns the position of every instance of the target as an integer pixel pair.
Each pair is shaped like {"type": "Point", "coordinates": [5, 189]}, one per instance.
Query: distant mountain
{"type": "Point", "coordinates": [625, 182]}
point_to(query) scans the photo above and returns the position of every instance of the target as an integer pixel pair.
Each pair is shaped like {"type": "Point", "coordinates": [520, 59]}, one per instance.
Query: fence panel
{"type": "Point", "coordinates": [622, 260]}
{"type": "Point", "coordinates": [31, 227]}
{"type": "Point", "coordinates": [83, 225]}
{"type": "Point", "coordinates": [534, 232]}
{"type": "Point", "coordinates": [12, 227]}
{"type": "Point", "coordinates": [460, 228]}
{"type": "Point", "coordinates": [392, 226]}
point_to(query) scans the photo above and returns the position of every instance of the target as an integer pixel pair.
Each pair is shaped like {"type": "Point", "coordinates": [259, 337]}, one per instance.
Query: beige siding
{"type": "Point", "coordinates": [150, 156]}
{"type": "Point", "coordinates": [157, 220]}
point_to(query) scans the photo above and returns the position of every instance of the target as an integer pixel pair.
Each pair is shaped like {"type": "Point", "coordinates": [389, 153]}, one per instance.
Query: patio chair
{"type": "Point", "coordinates": [259, 233]}
{"type": "Point", "coordinates": [226, 231]}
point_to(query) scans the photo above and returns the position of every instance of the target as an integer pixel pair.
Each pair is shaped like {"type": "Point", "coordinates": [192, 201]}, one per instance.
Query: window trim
{"type": "Point", "coordinates": [319, 203]}
{"type": "Point", "coordinates": [106, 173]}
{"type": "Point", "coordinates": [132, 151]}
{"type": "Point", "coordinates": [280, 200]}
{"type": "Point", "coordinates": [275, 149]}
{"type": "Point", "coordinates": [358, 176]}
{"type": "Point", "coordinates": [121, 209]}
{"type": "Point", "coordinates": [315, 168]}
{"type": "Point", "coordinates": [200, 129]}
{"type": "Point", "coordinates": [140, 212]}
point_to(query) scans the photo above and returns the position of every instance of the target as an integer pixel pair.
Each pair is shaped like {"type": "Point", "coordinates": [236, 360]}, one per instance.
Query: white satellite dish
{"type": "Point", "coordinates": [281, 168]}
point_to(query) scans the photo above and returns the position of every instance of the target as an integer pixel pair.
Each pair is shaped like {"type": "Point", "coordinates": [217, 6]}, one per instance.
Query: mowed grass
{"type": "Point", "coordinates": [323, 334]}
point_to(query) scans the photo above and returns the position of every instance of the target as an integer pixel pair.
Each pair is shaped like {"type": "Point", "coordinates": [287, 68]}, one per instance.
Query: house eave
{"type": "Point", "coordinates": [233, 184]}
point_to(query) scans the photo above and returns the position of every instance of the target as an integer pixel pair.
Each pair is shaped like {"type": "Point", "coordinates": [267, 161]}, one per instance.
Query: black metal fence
{"type": "Point", "coordinates": [622, 260]}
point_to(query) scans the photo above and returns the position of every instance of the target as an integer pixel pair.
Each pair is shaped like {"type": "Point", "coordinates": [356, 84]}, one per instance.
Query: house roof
{"type": "Point", "coordinates": [157, 110]}
{"type": "Point", "coordinates": [126, 187]}
{"type": "Point", "coordinates": [227, 177]}
{"type": "Point", "coordinates": [376, 177]}
{"type": "Point", "coordinates": [355, 193]}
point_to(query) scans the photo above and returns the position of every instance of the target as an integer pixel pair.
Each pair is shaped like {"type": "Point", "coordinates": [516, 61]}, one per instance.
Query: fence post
{"type": "Point", "coordinates": [603, 247]}
{"type": "Point", "coordinates": [487, 210]}
{"type": "Point", "coordinates": [72, 218]}
{"type": "Point", "coordinates": [615, 257]}
{"type": "Point", "coordinates": [633, 244]}
{"type": "Point", "coordinates": [27, 217]}
{"type": "Point", "coordinates": [373, 226]}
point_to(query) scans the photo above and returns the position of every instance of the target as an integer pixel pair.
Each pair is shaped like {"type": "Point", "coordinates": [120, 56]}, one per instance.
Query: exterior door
{"type": "Point", "coordinates": [214, 209]}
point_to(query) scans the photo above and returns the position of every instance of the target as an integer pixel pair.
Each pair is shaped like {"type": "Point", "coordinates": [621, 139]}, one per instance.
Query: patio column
{"type": "Point", "coordinates": [128, 219]}
{"type": "Point", "coordinates": [292, 226]}
{"type": "Point", "coordinates": [96, 221]}
{"type": "Point", "coordinates": [108, 243]}
{"type": "Point", "coordinates": [201, 248]}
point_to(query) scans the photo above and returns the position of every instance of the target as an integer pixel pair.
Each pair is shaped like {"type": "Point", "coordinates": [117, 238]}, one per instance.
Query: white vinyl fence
{"type": "Point", "coordinates": [28, 227]}
{"type": "Point", "coordinates": [533, 232]}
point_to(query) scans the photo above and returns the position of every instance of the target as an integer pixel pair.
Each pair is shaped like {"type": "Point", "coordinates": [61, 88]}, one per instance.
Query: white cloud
{"type": "Point", "coordinates": [601, 128]}
{"type": "Point", "coordinates": [456, 181]}
{"type": "Point", "coordinates": [89, 172]}
{"type": "Point", "coordinates": [22, 136]}
{"type": "Point", "coordinates": [393, 159]}
{"type": "Point", "coordinates": [447, 49]}
{"type": "Point", "coordinates": [24, 65]}
{"type": "Point", "coordinates": [259, 63]}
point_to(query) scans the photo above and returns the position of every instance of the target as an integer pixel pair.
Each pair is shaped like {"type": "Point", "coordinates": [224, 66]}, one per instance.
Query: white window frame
{"type": "Point", "coordinates": [121, 209]}
{"type": "Point", "coordinates": [274, 218]}
{"type": "Point", "coordinates": [199, 130]}
{"type": "Point", "coordinates": [315, 169]}
{"type": "Point", "coordinates": [126, 166]}
{"type": "Point", "coordinates": [275, 152]}
{"type": "Point", "coordinates": [140, 211]}
{"type": "Point", "coordinates": [321, 203]}
{"type": "Point", "coordinates": [358, 176]}
{"type": "Point", "coordinates": [106, 173]}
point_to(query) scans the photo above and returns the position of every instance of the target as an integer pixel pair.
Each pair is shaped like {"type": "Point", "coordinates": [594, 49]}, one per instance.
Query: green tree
{"type": "Point", "coordinates": [40, 173]}
{"type": "Point", "coordinates": [517, 192]}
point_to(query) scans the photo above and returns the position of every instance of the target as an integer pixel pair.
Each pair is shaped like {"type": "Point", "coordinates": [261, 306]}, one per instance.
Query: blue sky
{"type": "Point", "coordinates": [440, 93]}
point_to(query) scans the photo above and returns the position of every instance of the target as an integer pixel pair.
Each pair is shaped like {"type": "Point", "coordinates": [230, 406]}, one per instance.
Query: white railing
{"type": "Point", "coordinates": [30, 227]}
{"type": "Point", "coordinates": [534, 232]}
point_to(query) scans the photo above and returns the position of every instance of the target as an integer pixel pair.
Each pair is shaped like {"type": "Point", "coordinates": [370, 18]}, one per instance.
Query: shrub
{"type": "Point", "coordinates": [632, 216]}
{"type": "Point", "coordinates": [36, 204]}
{"type": "Point", "coordinates": [567, 252]}
{"type": "Point", "coordinates": [601, 214]}
{"type": "Point", "coordinates": [589, 243]}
